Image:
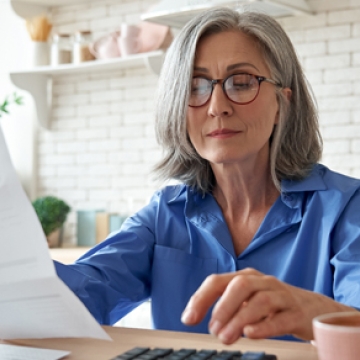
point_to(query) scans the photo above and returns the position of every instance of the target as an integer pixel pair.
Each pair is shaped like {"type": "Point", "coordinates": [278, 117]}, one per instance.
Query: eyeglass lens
{"type": "Point", "coordinates": [239, 88]}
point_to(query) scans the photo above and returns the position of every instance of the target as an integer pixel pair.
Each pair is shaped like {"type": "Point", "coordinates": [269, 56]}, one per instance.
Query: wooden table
{"type": "Point", "coordinates": [125, 339]}
{"type": "Point", "coordinates": [67, 255]}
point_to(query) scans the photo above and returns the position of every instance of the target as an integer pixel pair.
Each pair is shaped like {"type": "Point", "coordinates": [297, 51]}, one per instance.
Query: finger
{"type": "Point", "coordinates": [249, 271]}
{"type": "Point", "coordinates": [260, 306]}
{"type": "Point", "coordinates": [235, 294]}
{"type": "Point", "coordinates": [240, 289]}
{"type": "Point", "coordinates": [206, 295]}
{"type": "Point", "coordinates": [276, 325]}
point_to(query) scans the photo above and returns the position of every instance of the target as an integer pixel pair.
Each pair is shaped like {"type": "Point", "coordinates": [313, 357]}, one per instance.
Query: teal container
{"type": "Point", "coordinates": [86, 227]}
{"type": "Point", "coordinates": [116, 222]}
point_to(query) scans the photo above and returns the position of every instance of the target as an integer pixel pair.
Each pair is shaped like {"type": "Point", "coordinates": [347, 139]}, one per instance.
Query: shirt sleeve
{"type": "Point", "coordinates": [114, 277]}
{"type": "Point", "coordinates": [346, 254]}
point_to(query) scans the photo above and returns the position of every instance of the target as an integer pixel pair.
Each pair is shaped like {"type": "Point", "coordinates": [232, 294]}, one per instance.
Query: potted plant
{"type": "Point", "coordinates": [15, 99]}
{"type": "Point", "coordinates": [52, 213]}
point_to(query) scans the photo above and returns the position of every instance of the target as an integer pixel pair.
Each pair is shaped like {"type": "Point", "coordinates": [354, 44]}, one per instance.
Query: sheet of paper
{"type": "Point", "coordinates": [14, 352]}
{"type": "Point", "coordinates": [34, 302]}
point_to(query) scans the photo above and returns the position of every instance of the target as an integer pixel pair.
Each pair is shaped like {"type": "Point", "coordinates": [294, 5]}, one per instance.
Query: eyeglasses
{"type": "Point", "coordinates": [240, 88]}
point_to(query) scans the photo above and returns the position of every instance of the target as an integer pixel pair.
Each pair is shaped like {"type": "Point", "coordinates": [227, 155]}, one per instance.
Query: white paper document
{"type": "Point", "coordinates": [34, 302]}
{"type": "Point", "coordinates": [13, 352]}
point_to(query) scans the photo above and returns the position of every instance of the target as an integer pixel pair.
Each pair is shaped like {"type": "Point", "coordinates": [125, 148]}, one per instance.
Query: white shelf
{"type": "Point", "coordinates": [177, 13]}
{"type": "Point", "coordinates": [38, 81]}
{"type": "Point", "coordinates": [30, 8]}
{"type": "Point", "coordinates": [50, 3]}
{"type": "Point", "coordinates": [153, 60]}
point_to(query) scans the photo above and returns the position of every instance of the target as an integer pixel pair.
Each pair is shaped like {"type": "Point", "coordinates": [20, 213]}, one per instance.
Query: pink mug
{"type": "Point", "coordinates": [106, 47]}
{"type": "Point", "coordinates": [337, 336]}
{"type": "Point", "coordinates": [129, 39]}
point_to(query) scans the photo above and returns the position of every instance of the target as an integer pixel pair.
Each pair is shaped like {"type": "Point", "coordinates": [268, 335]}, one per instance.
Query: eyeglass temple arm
{"type": "Point", "coordinates": [271, 81]}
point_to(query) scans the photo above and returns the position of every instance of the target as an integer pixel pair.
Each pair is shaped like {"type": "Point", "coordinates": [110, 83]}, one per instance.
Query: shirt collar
{"type": "Point", "coordinates": [313, 182]}
{"type": "Point", "coordinates": [291, 190]}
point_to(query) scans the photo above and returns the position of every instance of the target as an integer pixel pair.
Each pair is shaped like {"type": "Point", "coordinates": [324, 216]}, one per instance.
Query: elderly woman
{"type": "Point", "coordinates": [256, 226]}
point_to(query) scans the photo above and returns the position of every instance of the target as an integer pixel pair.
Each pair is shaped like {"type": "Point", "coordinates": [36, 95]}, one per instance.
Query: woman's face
{"type": "Point", "coordinates": [224, 132]}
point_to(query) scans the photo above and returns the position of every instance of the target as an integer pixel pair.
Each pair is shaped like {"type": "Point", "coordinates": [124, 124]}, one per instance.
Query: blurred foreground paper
{"type": "Point", "coordinates": [34, 302]}
{"type": "Point", "coordinates": [13, 352]}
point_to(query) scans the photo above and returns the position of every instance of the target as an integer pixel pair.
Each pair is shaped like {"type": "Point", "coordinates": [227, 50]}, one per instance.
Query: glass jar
{"type": "Point", "coordinates": [61, 49]}
{"type": "Point", "coordinates": [81, 51]}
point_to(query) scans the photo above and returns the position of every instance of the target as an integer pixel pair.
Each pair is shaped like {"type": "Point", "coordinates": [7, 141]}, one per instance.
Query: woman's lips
{"type": "Point", "coordinates": [223, 133]}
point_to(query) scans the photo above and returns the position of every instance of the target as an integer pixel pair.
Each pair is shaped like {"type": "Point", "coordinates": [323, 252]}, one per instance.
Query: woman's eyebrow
{"type": "Point", "coordinates": [239, 65]}
{"type": "Point", "coordinates": [201, 69]}
{"type": "Point", "coordinates": [229, 68]}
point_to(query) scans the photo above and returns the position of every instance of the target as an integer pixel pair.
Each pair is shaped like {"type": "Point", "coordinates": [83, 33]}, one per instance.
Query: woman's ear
{"type": "Point", "coordinates": [287, 92]}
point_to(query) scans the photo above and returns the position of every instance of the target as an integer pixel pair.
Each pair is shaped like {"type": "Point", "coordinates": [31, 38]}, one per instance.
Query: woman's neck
{"type": "Point", "coordinates": [246, 191]}
{"type": "Point", "coordinates": [244, 198]}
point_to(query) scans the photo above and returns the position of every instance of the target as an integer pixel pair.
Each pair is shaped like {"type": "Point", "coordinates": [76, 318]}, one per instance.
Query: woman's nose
{"type": "Point", "coordinates": [219, 104]}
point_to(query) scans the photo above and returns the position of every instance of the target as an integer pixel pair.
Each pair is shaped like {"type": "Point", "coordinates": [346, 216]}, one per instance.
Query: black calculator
{"type": "Point", "coordinates": [144, 353]}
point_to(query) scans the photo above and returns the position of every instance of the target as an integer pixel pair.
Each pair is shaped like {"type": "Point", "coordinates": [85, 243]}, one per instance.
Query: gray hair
{"type": "Point", "coordinates": [296, 143]}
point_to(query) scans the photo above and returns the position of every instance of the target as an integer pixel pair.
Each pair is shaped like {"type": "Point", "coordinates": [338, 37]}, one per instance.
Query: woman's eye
{"type": "Point", "coordinates": [195, 90]}
{"type": "Point", "coordinates": [241, 82]}
{"type": "Point", "coordinates": [241, 86]}
{"type": "Point", "coordinates": [199, 86]}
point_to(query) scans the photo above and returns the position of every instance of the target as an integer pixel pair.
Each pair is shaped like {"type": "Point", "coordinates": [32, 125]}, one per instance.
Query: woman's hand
{"type": "Point", "coordinates": [256, 305]}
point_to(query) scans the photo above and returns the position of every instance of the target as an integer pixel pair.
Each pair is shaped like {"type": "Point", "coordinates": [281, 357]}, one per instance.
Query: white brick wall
{"type": "Point", "coordinates": [101, 145]}
{"type": "Point", "coordinates": [99, 150]}
{"type": "Point", "coordinates": [328, 44]}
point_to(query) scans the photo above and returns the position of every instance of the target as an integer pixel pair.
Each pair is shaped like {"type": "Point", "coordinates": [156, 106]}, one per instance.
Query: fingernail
{"type": "Point", "coordinates": [215, 327]}
{"type": "Point", "coordinates": [248, 330]}
{"type": "Point", "coordinates": [188, 316]}
{"type": "Point", "coordinates": [226, 335]}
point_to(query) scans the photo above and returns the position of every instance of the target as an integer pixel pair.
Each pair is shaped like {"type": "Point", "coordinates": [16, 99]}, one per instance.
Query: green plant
{"type": "Point", "coordinates": [15, 99]}
{"type": "Point", "coordinates": [52, 212]}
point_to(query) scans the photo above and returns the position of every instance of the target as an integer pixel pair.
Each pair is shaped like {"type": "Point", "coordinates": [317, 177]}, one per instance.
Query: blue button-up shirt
{"type": "Point", "coordinates": [310, 238]}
